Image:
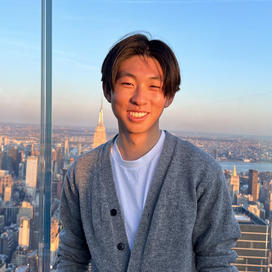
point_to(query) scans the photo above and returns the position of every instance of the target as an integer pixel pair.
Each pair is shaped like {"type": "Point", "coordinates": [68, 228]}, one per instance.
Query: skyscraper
{"type": "Point", "coordinates": [235, 181]}
{"type": "Point", "coordinates": [3, 160]}
{"type": "Point", "coordinates": [13, 160]}
{"type": "Point", "coordinates": [6, 184]}
{"type": "Point", "coordinates": [24, 232]}
{"type": "Point", "coordinates": [31, 171]}
{"type": "Point", "coordinates": [7, 193]}
{"type": "Point", "coordinates": [253, 185]}
{"type": "Point", "coordinates": [100, 132]}
{"type": "Point", "coordinates": [59, 157]}
{"type": "Point", "coordinates": [66, 148]}
{"type": "Point", "coordinates": [54, 235]}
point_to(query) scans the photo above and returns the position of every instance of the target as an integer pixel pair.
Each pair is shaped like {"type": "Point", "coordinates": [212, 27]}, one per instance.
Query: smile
{"type": "Point", "coordinates": [137, 114]}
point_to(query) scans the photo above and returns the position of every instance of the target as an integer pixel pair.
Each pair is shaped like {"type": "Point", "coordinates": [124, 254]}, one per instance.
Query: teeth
{"type": "Point", "coordinates": [137, 114]}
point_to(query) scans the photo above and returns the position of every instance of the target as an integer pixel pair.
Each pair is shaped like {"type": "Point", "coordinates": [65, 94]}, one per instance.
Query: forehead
{"type": "Point", "coordinates": [140, 65]}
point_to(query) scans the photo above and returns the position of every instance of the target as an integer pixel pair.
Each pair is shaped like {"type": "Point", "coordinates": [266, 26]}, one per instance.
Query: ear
{"type": "Point", "coordinates": [168, 101]}
{"type": "Point", "coordinates": [106, 94]}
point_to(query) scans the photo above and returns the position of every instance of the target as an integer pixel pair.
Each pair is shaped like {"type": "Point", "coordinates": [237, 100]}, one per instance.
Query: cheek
{"type": "Point", "coordinates": [119, 98]}
{"type": "Point", "coordinates": [117, 104]}
{"type": "Point", "coordinates": [159, 101]}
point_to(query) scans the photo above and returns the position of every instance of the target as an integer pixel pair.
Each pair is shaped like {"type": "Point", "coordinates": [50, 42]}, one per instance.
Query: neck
{"type": "Point", "coordinates": [134, 146]}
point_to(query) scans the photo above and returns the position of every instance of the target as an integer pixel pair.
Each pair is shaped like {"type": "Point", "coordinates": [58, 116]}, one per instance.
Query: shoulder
{"type": "Point", "coordinates": [189, 152]}
{"type": "Point", "coordinates": [90, 162]}
{"type": "Point", "coordinates": [192, 160]}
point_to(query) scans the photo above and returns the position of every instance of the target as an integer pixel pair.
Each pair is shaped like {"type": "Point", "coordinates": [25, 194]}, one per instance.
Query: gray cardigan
{"type": "Point", "coordinates": [187, 223]}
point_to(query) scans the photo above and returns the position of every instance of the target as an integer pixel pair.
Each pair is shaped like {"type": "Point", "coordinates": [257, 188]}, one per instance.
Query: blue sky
{"type": "Point", "coordinates": [224, 48]}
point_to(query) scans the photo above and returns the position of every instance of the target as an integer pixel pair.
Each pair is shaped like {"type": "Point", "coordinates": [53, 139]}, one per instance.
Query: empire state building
{"type": "Point", "coordinates": [100, 136]}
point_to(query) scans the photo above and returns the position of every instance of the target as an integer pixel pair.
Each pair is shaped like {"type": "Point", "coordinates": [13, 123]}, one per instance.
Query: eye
{"type": "Point", "coordinates": [155, 86]}
{"type": "Point", "coordinates": [127, 83]}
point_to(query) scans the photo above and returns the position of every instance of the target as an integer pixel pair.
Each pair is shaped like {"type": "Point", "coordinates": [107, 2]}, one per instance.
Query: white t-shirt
{"type": "Point", "coordinates": [132, 182]}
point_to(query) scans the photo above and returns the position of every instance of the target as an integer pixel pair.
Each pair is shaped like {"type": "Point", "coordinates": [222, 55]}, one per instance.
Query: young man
{"type": "Point", "coordinates": [146, 200]}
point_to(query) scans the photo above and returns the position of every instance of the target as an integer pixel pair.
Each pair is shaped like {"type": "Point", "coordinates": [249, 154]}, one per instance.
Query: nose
{"type": "Point", "coordinates": [139, 96]}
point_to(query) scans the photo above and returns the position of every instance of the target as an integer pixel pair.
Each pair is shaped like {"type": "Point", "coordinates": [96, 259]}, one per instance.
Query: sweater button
{"type": "Point", "coordinates": [113, 212]}
{"type": "Point", "coordinates": [121, 246]}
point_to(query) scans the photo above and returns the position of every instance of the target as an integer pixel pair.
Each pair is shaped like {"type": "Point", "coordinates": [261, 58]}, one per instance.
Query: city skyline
{"type": "Point", "coordinates": [249, 180]}
{"type": "Point", "coordinates": [223, 48]}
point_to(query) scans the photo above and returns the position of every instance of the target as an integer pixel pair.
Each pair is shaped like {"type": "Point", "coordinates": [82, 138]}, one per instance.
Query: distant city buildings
{"type": "Point", "coordinates": [19, 210]}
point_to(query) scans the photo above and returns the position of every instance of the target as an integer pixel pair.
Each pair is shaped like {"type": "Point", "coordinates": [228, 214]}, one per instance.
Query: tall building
{"type": "Point", "coordinates": [79, 149]}
{"type": "Point", "coordinates": [55, 184]}
{"type": "Point", "coordinates": [253, 185]}
{"type": "Point", "coordinates": [54, 154]}
{"type": "Point", "coordinates": [253, 246]}
{"type": "Point", "coordinates": [10, 213]}
{"type": "Point", "coordinates": [66, 148]}
{"type": "Point", "coordinates": [24, 232]}
{"type": "Point", "coordinates": [100, 131]}
{"type": "Point", "coordinates": [59, 157]}
{"type": "Point", "coordinates": [8, 243]}
{"type": "Point", "coordinates": [6, 185]}
{"type": "Point", "coordinates": [21, 172]}
{"type": "Point", "coordinates": [34, 237]}
{"type": "Point", "coordinates": [7, 193]}
{"type": "Point", "coordinates": [13, 160]}
{"type": "Point", "coordinates": [5, 180]}
{"type": "Point", "coordinates": [54, 235]}
{"type": "Point", "coordinates": [3, 160]}
{"type": "Point", "coordinates": [235, 181]}
{"type": "Point", "coordinates": [2, 223]}
{"type": "Point", "coordinates": [32, 171]}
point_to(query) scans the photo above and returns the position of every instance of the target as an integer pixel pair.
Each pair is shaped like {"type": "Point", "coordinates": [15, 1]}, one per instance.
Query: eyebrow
{"type": "Point", "coordinates": [123, 74]}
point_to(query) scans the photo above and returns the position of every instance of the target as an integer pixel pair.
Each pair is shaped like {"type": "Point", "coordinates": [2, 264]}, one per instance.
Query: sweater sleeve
{"type": "Point", "coordinates": [73, 253]}
{"type": "Point", "coordinates": [216, 230]}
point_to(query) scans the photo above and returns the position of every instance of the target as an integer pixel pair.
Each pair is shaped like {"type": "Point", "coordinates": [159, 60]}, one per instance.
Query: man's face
{"type": "Point", "coordinates": [138, 99]}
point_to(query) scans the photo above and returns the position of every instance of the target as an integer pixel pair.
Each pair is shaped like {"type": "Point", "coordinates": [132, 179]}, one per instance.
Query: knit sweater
{"type": "Point", "coordinates": [187, 223]}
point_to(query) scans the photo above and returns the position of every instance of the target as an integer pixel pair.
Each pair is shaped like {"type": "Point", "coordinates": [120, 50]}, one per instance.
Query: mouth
{"type": "Point", "coordinates": [137, 115]}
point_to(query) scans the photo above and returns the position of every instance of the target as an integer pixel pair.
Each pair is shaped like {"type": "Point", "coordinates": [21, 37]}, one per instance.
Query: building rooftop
{"type": "Point", "coordinates": [244, 216]}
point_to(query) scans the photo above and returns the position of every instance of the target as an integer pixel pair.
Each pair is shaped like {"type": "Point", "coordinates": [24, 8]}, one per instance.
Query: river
{"type": "Point", "coordinates": [245, 166]}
